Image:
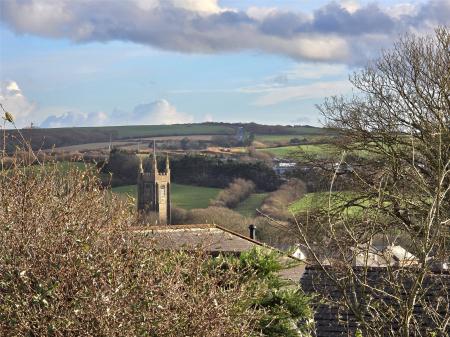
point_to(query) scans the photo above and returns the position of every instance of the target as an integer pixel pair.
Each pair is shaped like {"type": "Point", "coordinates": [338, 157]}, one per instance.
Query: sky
{"type": "Point", "coordinates": [129, 62]}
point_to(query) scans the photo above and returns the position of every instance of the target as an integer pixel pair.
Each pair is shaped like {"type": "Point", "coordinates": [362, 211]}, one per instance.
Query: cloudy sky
{"type": "Point", "coordinates": [111, 62]}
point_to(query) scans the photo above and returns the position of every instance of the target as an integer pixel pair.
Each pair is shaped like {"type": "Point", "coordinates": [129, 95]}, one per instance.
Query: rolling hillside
{"type": "Point", "coordinates": [58, 137]}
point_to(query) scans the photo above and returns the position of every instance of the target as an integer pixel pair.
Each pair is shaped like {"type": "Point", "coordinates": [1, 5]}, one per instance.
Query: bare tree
{"type": "Point", "coordinates": [395, 134]}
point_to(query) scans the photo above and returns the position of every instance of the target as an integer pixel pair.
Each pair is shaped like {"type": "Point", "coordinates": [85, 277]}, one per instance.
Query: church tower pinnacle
{"type": "Point", "coordinates": [154, 190]}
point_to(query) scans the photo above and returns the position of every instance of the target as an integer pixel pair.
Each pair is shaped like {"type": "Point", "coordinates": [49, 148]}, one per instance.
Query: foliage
{"type": "Point", "coordinates": [323, 150]}
{"type": "Point", "coordinates": [286, 308]}
{"type": "Point", "coordinates": [194, 170]}
{"type": "Point", "coordinates": [217, 172]}
{"type": "Point", "coordinates": [324, 201]}
{"type": "Point", "coordinates": [123, 166]}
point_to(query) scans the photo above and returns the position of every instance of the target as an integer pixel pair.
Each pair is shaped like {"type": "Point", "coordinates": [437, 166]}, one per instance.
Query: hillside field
{"type": "Point", "coordinates": [183, 196]}
{"type": "Point", "coordinates": [248, 206]}
{"type": "Point", "coordinates": [322, 201]}
{"type": "Point", "coordinates": [190, 197]}
{"type": "Point", "coordinates": [132, 131]}
{"type": "Point", "coordinates": [281, 138]}
{"type": "Point", "coordinates": [286, 151]}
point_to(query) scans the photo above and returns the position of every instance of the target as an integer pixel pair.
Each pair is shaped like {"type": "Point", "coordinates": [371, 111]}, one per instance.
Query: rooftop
{"type": "Point", "coordinates": [211, 238]}
{"type": "Point", "coordinates": [214, 240]}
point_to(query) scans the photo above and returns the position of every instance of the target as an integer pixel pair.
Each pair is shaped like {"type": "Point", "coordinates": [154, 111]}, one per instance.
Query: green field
{"type": "Point", "coordinates": [183, 196]}
{"type": "Point", "coordinates": [171, 130]}
{"type": "Point", "coordinates": [322, 201]}
{"type": "Point", "coordinates": [133, 131]}
{"type": "Point", "coordinates": [313, 149]}
{"type": "Point", "coordinates": [275, 138]}
{"type": "Point", "coordinates": [287, 138]}
{"type": "Point", "coordinates": [65, 166]}
{"type": "Point", "coordinates": [249, 205]}
{"type": "Point", "coordinates": [190, 197]}
{"type": "Point", "coordinates": [306, 130]}
{"type": "Point", "coordinates": [62, 166]}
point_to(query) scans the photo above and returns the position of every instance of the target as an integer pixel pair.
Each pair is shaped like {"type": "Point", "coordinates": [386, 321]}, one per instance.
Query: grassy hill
{"type": "Point", "coordinates": [165, 130]}
{"type": "Point", "coordinates": [58, 137]}
{"type": "Point", "coordinates": [285, 151]}
{"type": "Point", "coordinates": [46, 138]}
{"type": "Point", "coordinates": [249, 205]}
{"type": "Point", "coordinates": [323, 201]}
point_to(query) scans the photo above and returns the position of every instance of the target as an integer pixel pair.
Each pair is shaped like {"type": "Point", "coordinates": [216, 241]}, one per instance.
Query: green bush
{"type": "Point", "coordinates": [286, 310]}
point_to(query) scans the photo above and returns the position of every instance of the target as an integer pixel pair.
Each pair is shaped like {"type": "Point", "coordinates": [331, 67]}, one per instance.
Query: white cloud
{"type": "Point", "coordinates": [203, 6]}
{"type": "Point", "coordinates": [336, 32]}
{"type": "Point", "coordinates": [157, 112]}
{"type": "Point", "coordinates": [303, 81]}
{"type": "Point", "coordinates": [260, 13]}
{"type": "Point", "coordinates": [208, 118]}
{"type": "Point", "coordinates": [274, 95]}
{"type": "Point", "coordinates": [75, 118]}
{"type": "Point", "coordinates": [15, 102]}
{"type": "Point", "coordinates": [308, 71]}
{"type": "Point", "coordinates": [350, 5]}
{"type": "Point", "coordinates": [403, 9]}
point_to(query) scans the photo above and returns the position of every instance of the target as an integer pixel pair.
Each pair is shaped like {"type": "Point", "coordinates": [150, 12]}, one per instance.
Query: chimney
{"type": "Point", "coordinates": [252, 230]}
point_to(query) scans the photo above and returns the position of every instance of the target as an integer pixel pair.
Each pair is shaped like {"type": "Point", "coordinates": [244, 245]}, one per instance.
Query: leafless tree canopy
{"type": "Point", "coordinates": [395, 132]}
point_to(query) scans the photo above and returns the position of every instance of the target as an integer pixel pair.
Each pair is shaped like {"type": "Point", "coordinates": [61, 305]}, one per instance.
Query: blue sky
{"type": "Point", "coordinates": [78, 63]}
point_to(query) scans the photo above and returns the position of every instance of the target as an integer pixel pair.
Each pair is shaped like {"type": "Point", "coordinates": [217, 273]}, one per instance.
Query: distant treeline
{"type": "Point", "coordinates": [262, 129]}
{"type": "Point", "coordinates": [194, 170]}
{"type": "Point", "coordinates": [48, 138]}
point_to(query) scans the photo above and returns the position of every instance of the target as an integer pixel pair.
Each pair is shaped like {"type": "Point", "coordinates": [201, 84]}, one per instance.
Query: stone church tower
{"type": "Point", "coordinates": [154, 191]}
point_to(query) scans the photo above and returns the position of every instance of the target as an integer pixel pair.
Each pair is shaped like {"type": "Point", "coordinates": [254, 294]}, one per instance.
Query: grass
{"type": "Point", "coordinates": [321, 201]}
{"type": "Point", "coordinates": [132, 131]}
{"type": "Point", "coordinates": [248, 206]}
{"type": "Point", "coordinates": [286, 151]}
{"type": "Point", "coordinates": [306, 130]}
{"type": "Point", "coordinates": [62, 166]}
{"type": "Point", "coordinates": [275, 138]}
{"type": "Point", "coordinates": [65, 166]}
{"type": "Point", "coordinates": [190, 197]}
{"type": "Point", "coordinates": [183, 196]}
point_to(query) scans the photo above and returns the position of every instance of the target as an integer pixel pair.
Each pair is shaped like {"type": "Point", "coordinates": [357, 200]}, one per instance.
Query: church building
{"type": "Point", "coordinates": [154, 191]}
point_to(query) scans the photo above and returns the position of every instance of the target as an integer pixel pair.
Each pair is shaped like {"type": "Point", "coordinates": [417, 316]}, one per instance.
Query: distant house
{"type": "Point", "coordinates": [282, 167]}
{"type": "Point", "coordinates": [383, 256]}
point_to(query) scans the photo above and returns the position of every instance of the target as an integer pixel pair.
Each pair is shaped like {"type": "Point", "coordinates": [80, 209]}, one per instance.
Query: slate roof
{"type": "Point", "coordinates": [333, 321]}
{"type": "Point", "coordinates": [211, 238]}
{"type": "Point", "coordinates": [214, 240]}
